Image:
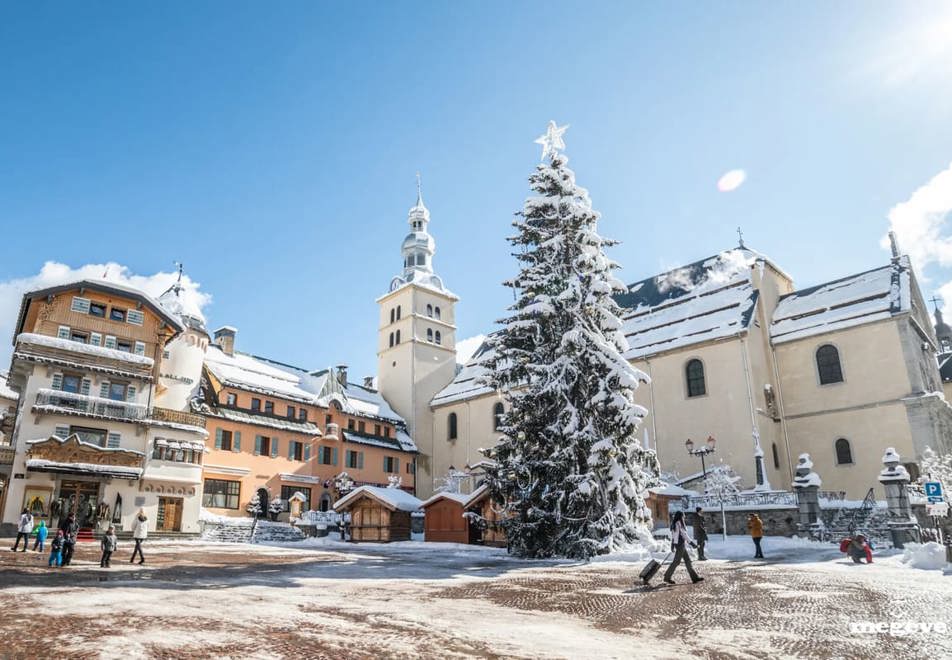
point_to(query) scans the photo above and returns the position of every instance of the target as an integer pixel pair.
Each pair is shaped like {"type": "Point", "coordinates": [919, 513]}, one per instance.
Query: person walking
{"type": "Point", "coordinates": [679, 542]}
{"type": "Point", "coordinates": [24, 527]}
{"type": "Point", "coordinates": [41, 531]}
{"type": "Point", "coordinates": [69, 546]}
{"type": "Point", "coordinates": [140, 531]}
{"type": "Point", "coordinates": [56, 549]}
{"type": "Point", "coordinates": [700, 534]}
{"type": "Point", "coordinates": [756, 528]}
{"type": "Point", "coordinates": [109, 544]}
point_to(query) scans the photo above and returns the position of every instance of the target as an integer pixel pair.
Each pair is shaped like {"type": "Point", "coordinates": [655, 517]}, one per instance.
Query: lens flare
{"type": "Point", "coordinates": [731, 181]}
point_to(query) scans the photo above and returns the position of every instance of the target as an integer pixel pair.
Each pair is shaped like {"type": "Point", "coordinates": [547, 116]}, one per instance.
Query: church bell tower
{"type": "Point", "coordinates": [416, 337]}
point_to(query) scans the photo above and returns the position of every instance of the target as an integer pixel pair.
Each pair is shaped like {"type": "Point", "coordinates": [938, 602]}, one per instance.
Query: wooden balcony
{"type": "Point", "coordinates": [177, 417]}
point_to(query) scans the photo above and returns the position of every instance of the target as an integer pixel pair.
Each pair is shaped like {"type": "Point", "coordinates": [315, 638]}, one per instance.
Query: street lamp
{"type": "Point", "coordinates": [701, 451]}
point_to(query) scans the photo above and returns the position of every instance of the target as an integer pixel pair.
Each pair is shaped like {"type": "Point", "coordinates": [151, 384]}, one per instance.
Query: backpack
{"type": "Point", "coordinates": [845, 545]}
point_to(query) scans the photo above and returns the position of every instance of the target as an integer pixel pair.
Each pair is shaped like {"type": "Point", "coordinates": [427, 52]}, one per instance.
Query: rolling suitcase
{"type": "Point", "coordinates": [651, 569]}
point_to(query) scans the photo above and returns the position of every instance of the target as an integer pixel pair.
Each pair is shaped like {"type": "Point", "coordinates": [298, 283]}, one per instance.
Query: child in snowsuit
{"type": "Point", "coordinates": [56, 549]}
{"type": "Point", "coordinates": [859, 549]}
{"type": "Point", "coordinates": [41, 532]}
{"type": "Point", "coordinates": [109, 543]}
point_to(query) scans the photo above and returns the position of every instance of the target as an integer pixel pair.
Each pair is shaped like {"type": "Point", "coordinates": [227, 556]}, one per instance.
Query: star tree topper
{"type": "Point", "coordinates": [552, 141]}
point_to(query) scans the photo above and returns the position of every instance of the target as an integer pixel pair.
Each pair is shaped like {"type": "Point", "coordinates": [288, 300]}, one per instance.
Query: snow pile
{"type": "Point", "coordinates": [927, 556]}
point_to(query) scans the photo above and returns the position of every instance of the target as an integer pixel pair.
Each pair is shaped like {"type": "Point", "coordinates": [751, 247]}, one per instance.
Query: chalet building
{"type": "Point", "coordinates": [102, 428]}
{"type": "Point", "coordinates": [276, 430]}
{"type": "Point", "coordinates": [735, 351]}
{"type": "Point", "coordinates": [8, 415]}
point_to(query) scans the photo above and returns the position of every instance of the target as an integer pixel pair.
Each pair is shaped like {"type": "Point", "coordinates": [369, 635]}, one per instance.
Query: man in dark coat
{"type": "Point", "coordinates": [700, 534]}
{"type": "Point", "coordinates": [70, 528]}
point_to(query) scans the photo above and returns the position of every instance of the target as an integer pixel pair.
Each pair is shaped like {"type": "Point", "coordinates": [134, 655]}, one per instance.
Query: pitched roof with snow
{"type": "Point", "coordinates": [393, 498]}
{"type": "Point", "coordinates": [863, 298]}
{"type": "Point", "coordinates": [460, 498]}
{"type": "Point", "coordinates": [466, 384]}
{"type": "Point", "coordinates": [709, 299]}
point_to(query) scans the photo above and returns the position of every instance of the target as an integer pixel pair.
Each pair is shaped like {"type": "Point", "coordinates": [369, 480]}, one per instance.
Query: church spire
{"type": "Point", "coordinates": [418, 246]}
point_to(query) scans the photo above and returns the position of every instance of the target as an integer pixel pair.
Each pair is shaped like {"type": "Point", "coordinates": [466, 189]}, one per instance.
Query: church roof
{"type": "Point", "coordinates": [709, 299]}
{"type": "Point", "coordinates": [866, 297]}
{"type": "Point", "coordinates": [466, 384]}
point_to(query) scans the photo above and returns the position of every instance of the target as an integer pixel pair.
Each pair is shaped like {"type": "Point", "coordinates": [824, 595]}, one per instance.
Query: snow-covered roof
{"type": "Point", "coordinates": [252, 373]}
{"type": "Point", "coordinates": [394, 498]}
{"type": "Point", "coordinates": [295, 426]}
{"type": "Point", "coordinates": [670, 490]}
{"type": "Point", "coordinates": [475, 496]}
{"type": "Point", "coordinates": [461, 498]}
{"type": "Point", "coordinates": [86, 349]}
{"type": "Point", "coordinates": [180, 302]}
{"type": "Point", "coordinates": [117, 471]}
{"type": "Point", "coordinates": [466, 384]}
{"type": "Point", "coordinates": [5, 391]}
{"type": "Point", "coordinates": [709, 299]}
{"type": "Point", "coordinates": [850, 301]}
{"type": "Point", "coordinates": [380, 441]}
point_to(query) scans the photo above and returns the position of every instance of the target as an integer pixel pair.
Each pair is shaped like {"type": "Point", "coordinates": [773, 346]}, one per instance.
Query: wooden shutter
{"type": "Point", "coordinates": [113, 442]}
{"type": "Point", "coordinates": [63, 332]}
{"type": "Point", "coordinates": [61, 432]}
{"type": "Point", "coordinates": [236, 441]}
{"type": "Point", "coordinates": [57, 383]}
{"type": "Point", "coordinates": [104, 390]}
{"type": "Point", "coordinates": [333, 455]}
{"type": "Point", "coordinates": [80, 305]}
{"type": "Point", "coordinates": [360, 460]}
{"type": "Point", "coordinates": [258, 441]}
{"type": "Point", "coordinates": [135, 317]}
{"type": "Point", "coordinates": [95, 339]}
{"type": "Point", "coordinates": [307, 452]}
{"type": "Point", "coordinates": [110, 341]}
{"type": "Point", "coordinates": [140, 348]}
{"type": "Point", "coordinates": [131, 394]}
{"type": "Point", "coordinates": [396, 466]}
{"type": "Point", "coordinates": [84, 387]}
{"type": "Point", "coordinates": [218, 434]}
{"type": "Point", "coordinates": [274, 447]}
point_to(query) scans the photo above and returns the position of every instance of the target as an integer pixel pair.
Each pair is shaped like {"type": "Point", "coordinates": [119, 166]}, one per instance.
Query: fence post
{"type": "Point", "coordinates": [894, 479]}
{"type": "Point", "coordinates": [807, 487]}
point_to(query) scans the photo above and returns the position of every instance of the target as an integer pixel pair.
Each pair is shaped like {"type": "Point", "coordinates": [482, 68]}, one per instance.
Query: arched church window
{"type": "Point", "coordinates": [498, 411]}
{"type": "Point", "coordinates": [451, 426]}
{"type": "Point", "coordinates": [393, 315]}
{"type": "Point", "coordinates": [421, 259]}
{"type": "Point", "coordinates": [429, 334]}
{"type": "Point", "coordinates": [439, 337]}
{"type": "Point", "coordinates": [398, 337]}
{"type": "Point", "coordinates": [391, 339]}
{"type": "Point", "coordinates": [844, 453]}
{"type": "Point", "coordinates": [398, 316]}
{"type": "Point", "coordinates": [828, 364]}
{"type": "Point", "coordinates": [776, 456]}
{"type": "Point", "coordinates": [694, 374]}
{"type": "Point", "coordinates": [436, 312]}
{"type": "Point", "coordinates": [429, 310]}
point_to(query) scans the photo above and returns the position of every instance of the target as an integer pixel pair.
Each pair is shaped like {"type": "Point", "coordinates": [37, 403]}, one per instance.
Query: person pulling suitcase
{"type": "Point", "coordinates": [679, 543]}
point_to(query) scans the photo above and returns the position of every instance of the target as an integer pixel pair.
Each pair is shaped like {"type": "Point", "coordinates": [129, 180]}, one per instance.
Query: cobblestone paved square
{"type": "Point", "coordinates": [413, 600]}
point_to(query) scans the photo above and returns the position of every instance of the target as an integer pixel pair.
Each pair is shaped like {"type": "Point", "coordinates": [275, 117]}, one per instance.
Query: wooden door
{"type": "Point", "coordinates": [169, 518]}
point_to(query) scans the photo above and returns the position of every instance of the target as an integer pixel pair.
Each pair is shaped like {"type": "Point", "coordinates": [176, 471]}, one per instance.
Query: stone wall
{"type": "Point", "coordinates": [777, 522]}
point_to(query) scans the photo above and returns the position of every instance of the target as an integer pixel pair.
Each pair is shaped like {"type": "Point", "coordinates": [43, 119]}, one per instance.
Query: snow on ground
{"type": "Point", "coordinates": [326, 598]}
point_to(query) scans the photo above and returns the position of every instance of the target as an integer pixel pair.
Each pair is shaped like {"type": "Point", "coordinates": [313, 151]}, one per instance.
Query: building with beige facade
{"type": "Point", "coordinates": [736, 352]}
{"type": "Point", "coordinates": [94, 404]}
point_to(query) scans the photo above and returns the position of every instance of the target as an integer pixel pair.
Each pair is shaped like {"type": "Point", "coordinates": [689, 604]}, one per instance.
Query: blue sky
{"type": "Point", "coordinates": [272, 147]}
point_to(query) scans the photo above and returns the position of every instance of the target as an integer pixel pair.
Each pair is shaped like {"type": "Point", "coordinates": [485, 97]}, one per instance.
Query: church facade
{"type": "Point", "coordinates": [735, 352]}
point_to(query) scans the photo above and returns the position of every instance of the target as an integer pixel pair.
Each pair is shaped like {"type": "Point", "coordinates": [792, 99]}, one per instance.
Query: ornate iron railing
{"type": "Point", "coordinates": [741, 500]}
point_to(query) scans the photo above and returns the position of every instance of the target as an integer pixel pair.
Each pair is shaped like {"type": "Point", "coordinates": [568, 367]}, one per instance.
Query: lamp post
{"type": "Point", "coordinates": [701, 451]}
{"type": "Point", "coordinates": [708, 448]}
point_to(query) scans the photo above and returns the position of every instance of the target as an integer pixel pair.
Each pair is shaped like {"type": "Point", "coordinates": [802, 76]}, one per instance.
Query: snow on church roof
{"type": "Point", "coordinates": [708, 299]}
{"type": "Point", "coordinates": [466, 384]}
{"type": "Point", "coordinates": [871, 296]}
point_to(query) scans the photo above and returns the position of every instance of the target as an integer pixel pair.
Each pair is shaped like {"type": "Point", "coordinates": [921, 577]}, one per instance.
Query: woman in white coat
{"type": "Point", "coordinates": [140, 531]}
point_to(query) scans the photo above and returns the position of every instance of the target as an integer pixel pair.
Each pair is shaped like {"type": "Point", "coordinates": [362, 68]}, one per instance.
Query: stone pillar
{"type": "Point", "coordinates": [807, 487]}
{"type": "Point", "coordinates": [763, 484]}
{"type": "Point", "coordinates": [895, 478]}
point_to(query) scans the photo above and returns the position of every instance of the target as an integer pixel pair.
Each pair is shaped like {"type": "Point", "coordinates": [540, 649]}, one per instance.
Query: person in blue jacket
{"type": "Point", "coordinates": [41, 532]}
{"type": "Point", "coordinates": [56, 549]}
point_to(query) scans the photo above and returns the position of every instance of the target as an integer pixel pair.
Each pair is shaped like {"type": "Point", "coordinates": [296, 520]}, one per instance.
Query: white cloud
{"type": "Point", "coordinates": [466, 347]}
{"type": "Point", "coordinates": [53, 273]}
{"type": "Point", "coordinates": [731, 181]}
{"type": "Point", "coordinates": [921, 224]}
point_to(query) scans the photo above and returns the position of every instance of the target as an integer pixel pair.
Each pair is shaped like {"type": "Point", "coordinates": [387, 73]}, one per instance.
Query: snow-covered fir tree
{"type": "Point", "coordinates": [936, 467]}
{"type": "Point", "coordinates": [276, 507]}
{"type": "Point", "coordinates": [254, 506]}
{"type": "Point", "coordinates": [570, 471]}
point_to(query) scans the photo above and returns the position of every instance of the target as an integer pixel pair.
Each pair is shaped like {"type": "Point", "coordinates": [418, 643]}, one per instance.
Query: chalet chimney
{"type": "Point", "coordinates": [342, 374]}
{"type": "Point", "coordinates": [369, 382]}
{"type": "Point", "coordinates": [225, 338]}
{"type": "Point", "coordinates": [894, 246]}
